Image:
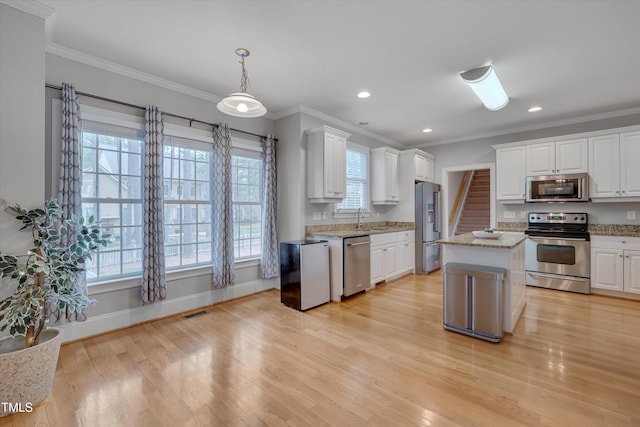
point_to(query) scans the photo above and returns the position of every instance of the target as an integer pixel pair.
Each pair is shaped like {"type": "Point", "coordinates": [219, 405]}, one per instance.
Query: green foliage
{"type": "Point", "coordinates": [48, 273]}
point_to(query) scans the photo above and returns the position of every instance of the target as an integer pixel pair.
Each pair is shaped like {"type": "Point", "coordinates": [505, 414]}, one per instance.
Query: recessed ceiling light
{"type": "Point", "coordinates": [363, 94]}
{"type": "Point", "coordinates": [534, 109]}
{"type": "Point", "coordinates": [427, 130]}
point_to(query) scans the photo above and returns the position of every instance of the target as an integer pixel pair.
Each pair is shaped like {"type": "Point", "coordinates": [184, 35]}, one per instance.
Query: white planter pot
{"type": "Point", "coordinates": [26, 374]}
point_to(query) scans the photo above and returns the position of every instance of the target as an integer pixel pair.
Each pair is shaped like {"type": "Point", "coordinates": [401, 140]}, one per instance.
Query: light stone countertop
{"type": "Point", "coordinates": [341, 234]}
{"type": "Point", "coordinates": [506, 241]}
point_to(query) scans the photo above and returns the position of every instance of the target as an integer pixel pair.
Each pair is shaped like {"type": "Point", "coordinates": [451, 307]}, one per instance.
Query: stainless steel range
{"type": "Point", "coordinates": [558, 251]}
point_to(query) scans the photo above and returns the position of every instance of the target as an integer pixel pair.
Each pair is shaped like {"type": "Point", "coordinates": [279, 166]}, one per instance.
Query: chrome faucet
{"type": "Point", "coordinates": [359, 224]}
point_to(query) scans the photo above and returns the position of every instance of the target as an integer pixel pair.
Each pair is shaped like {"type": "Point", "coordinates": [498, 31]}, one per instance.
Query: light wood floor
{"type": "Point", "coordinates": [379, 359]}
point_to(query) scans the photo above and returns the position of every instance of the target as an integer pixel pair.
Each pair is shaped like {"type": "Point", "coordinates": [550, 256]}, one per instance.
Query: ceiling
{"type": "Point", "coordinates": [575, 59]}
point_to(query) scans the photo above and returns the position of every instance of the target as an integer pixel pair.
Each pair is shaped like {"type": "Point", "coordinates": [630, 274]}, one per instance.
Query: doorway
{"type": "Point", "coordinates": [451, 178]}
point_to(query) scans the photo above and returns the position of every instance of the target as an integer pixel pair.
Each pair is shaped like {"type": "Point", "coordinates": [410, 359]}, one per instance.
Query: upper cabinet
{"type": "Point", "coordinates": [326, 164]}
{"type": "Point", "coordinates": [510, 173]}
{"type": "Point", "coordinates": [419, 164]}
{"type": "Point", "coordinates": [560, 157]}
{"type": "Point", "coordinates": [613, 165]}
{"type": "Point", "coordinates": [384, 176]}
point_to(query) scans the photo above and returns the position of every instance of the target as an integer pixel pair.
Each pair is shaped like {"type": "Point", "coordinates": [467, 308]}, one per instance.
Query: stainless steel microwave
{"type": "Point", "coordinates": [558, 188]}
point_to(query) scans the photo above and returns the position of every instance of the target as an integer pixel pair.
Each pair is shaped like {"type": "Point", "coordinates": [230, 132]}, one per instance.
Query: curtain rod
{"type": "Point", "coordinates": [189, 119]}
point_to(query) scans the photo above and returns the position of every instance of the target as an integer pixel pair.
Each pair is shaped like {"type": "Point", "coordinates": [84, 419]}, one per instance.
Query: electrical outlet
{"type": "Point", "coordinates": [631, 214]}
{"type": "Point", "coordinates": [509, 214]}
{"type": "Point", "coordinates": [523, 214]}
{"type": "Point", "coordinates": [324, 215]}
{"type": "Point", "coordinates": [317, 216]}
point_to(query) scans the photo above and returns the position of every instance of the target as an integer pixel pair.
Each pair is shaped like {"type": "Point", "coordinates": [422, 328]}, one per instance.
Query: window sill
{"type": "Point", "coordinates": [173, 275]}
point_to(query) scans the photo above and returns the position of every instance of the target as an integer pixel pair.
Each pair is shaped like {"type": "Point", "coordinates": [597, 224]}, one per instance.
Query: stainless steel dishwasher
{"type": "Point", "coordinates": [356, 265]}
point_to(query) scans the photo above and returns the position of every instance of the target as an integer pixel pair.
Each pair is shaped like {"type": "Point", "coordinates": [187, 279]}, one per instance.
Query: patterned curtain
{"type": "Point", "coordinates": [153, 272]}
{"type": "Point", "coordinates": [222, 209]}
{"type": "Point", "coordinates": [70, 185]}
{"type": "Point", "coordinates": [269, 260]}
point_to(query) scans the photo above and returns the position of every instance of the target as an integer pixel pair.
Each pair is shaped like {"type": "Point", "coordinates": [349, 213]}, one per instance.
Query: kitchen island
{"type": "Point", "coordinates": [505, 252]}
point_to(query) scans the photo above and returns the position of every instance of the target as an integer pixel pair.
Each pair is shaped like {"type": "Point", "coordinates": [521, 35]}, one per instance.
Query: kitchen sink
{"type": "Point", "coordinates": [368, 230]}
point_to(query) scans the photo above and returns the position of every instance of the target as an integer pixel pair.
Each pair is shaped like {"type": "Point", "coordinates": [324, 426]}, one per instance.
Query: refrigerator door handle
{"type": "Point", "coordinates": [436, 208]}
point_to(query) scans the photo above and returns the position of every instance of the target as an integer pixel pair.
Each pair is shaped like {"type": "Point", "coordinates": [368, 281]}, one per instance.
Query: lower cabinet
{"type": "Point", "coordinates": [615, 265]}
{"type": "Point", "coordinates": [392, 255]}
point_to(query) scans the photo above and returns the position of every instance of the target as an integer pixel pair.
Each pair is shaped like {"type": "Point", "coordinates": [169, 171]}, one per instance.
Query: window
{"type": "Point", "coordinates": [357, 179]}
{"type": "Point", "coordinates": [112, 192]}
{"type": "Point", "coordinates": [246, 181]}
{"type": "Point", "coordinates": [187, 202]}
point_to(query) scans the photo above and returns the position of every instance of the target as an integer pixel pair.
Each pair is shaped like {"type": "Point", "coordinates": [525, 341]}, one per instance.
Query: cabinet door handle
{"type": "Point", "coordinates": [626, 256]}
{"type": "Point", "coordinates": [620, 256]}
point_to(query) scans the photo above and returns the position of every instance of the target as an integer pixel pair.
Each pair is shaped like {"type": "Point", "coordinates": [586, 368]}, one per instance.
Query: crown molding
{"type": "Point", "coordinates": [540, 126]}
{"type": "Point", "coordinates": [103, 64]}
{"type": "Point", "coordinates": [333, 120]}
{"type": "Point", "coordinates": [32, 7]}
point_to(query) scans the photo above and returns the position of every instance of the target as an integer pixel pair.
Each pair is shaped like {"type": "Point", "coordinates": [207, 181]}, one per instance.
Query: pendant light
{"type": "Point", "coordinates": [241, 104]}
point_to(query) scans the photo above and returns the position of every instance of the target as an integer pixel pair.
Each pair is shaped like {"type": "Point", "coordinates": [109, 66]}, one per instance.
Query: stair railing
{"type": "Point", "coordinates": [463, 190]}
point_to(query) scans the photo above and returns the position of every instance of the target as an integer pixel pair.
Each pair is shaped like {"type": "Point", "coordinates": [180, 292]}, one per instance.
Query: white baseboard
{"type": "Point", "coordinates": [124, 318]}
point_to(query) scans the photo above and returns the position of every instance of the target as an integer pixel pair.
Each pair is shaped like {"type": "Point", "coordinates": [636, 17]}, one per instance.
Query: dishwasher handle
{"type": "Point", "coordinates": [358, 244]}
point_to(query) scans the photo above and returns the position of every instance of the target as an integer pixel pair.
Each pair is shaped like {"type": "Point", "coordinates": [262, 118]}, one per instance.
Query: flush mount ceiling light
{"type": "Point", "coordinates": [534, 109]}
{"type": "Point", "coordinates": [427, 130]}
{"type": "Point", "coordinates": [484, 82]}
{"type": "Point", "coordinates": [363, 95]}
{"type": "Point", "coordinates": [241, 104]}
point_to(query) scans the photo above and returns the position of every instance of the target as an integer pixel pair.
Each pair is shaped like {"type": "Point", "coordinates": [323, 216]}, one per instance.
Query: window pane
{"type": "Point", "coordinates": [187, 212]}
{"type": "Point", "coordinates": [132, 238]}
{"type": "Point", "coordinates": [357, 181]}
{"type": "Point", "coordinates": [202, 171]}
{"type": "Point", "coordinates": [131, 164]}
{"type": "Point", "coordinates": [89, 185]}
{"type": "Point", "coordinates": [113, 172]}
{"type": "Point", "coordinates": [247, 211]}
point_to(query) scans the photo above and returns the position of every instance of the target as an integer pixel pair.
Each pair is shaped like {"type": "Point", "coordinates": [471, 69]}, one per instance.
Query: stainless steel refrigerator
{"type": "Point", "coordinates": [427, 227]}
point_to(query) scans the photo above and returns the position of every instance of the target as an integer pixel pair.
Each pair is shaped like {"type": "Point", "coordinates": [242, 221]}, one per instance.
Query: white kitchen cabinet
{"type": "Point", "coordinates": [615, 265]}
{"type": "Point", "coordinates": [419, 164]}
{"type": "Point", "coordinates": [377, 263]}
{"type": "Point", "coordinates": [632, 271]}
{"type": "Point", "coordinates": [389, 260]}
{"type": "Point", "coordinates": [607, 269]}
{"type": "Point", "coordinates": [384, 176]}
{"type": "Point", "coordinates": [613, 166]}
{"type": "Point", "coordinates": [559, 157]}
{"type": "Point", "coordinates": [382, 259]}
{"type": "Point", "coordinates": [510, 173]}
{"type": "Point", "coordinates": [405, 252]}
{"type": "Point", "coordinates": [392, 255]}
{"type": "Point", "coordinates": [326, 164]}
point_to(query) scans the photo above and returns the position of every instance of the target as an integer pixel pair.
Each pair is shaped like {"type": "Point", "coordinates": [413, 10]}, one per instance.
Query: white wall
{"type": "Point", "coordinates": [22, 162]}
{"type": "Point", "coordinates": [22, 172]}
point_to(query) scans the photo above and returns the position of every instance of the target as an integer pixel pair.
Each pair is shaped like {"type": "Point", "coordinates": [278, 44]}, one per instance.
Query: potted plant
{"type": "Point", "coordinates": [45, 277]}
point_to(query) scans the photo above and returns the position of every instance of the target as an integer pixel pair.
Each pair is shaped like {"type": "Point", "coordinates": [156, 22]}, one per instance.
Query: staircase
{"type": "Point", "coordinates": [475, 213]}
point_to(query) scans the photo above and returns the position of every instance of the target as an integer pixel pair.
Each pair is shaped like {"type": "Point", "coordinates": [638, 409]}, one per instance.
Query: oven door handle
{"type": "Point", "coordinates": [559, 276]}
{"type": "Point", "coordinates": [575, 239]}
